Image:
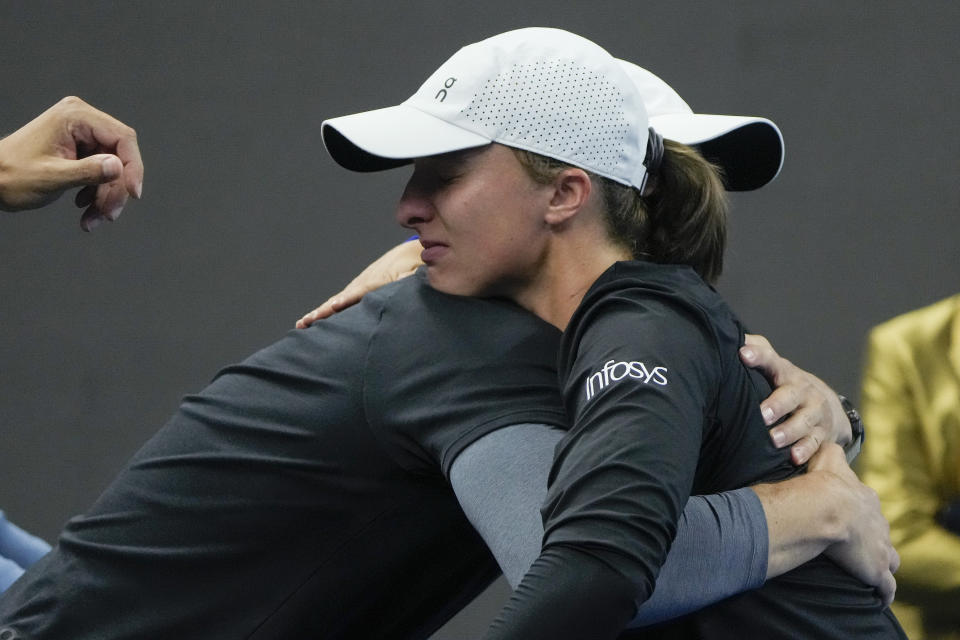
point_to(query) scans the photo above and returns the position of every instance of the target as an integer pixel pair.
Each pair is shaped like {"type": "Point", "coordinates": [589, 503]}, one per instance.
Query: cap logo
{"type": "Point", "coordinates": [442, 94]}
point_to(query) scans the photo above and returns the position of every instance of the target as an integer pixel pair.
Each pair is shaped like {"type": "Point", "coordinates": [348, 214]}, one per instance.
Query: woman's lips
{"type": "Point", "coordinates": [432, 251]}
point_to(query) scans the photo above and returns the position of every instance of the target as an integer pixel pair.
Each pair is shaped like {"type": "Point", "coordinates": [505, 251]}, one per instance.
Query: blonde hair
{"type": "Point", "coordinates": [682, 221]}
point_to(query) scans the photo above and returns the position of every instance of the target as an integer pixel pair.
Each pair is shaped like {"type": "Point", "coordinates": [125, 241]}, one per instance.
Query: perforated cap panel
{"type": "Point", "coordinates": [554, 107]}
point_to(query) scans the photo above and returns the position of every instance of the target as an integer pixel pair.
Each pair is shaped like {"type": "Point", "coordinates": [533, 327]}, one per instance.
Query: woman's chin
{"type": "Point", "coordinates": [451, 284]}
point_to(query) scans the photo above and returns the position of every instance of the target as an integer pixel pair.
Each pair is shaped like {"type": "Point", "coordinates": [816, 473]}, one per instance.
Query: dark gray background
{"type": "Point", "coordinates": [245, 223]}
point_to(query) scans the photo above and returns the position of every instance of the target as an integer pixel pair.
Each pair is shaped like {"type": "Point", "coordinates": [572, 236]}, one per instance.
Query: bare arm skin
{"type": "Point", "coordinates": [829, 509]}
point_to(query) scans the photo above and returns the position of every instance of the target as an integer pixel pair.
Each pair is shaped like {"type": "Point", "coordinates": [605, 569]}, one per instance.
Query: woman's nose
{"type": "Point", "coordinates": [416, 205]}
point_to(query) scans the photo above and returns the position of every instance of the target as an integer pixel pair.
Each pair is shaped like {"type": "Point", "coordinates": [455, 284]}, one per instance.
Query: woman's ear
{"type": "Point", "coordinates": [571, 192]}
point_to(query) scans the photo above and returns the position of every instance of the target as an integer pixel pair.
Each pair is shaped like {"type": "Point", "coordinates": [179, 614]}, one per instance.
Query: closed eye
{"type": "Point", "coordinates": [445, 179]}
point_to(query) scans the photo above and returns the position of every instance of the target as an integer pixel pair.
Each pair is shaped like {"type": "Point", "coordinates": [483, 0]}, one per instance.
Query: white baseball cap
{"type": "Point", "coordinates": [557, 94]}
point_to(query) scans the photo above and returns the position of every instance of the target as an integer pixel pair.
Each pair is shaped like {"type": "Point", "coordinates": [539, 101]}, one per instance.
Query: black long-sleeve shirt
{"type": "Point", "coordinates": [660, 406]}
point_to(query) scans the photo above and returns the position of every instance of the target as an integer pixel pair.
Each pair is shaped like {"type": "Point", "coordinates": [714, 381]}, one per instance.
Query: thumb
{"type": "Point", "coordinates": [95, 169]}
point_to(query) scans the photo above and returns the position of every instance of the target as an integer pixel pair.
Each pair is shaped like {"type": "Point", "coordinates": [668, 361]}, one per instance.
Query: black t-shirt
{"type": "Point", "coordinates": [660, 407]}
{"type": "Point", "coordinates": [446, 370]}
{"type": "Point", "coordinates": [300, 493]}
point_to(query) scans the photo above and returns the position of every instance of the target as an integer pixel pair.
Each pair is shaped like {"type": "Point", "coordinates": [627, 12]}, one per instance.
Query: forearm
{"type": "Point", "coordinates": [805, 515]}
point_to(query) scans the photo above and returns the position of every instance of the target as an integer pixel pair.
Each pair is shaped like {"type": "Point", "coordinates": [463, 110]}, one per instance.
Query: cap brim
{"type": "Point", "coordinates": [749, 150]}
{"type": "Point", "coordinates": [391, 137]}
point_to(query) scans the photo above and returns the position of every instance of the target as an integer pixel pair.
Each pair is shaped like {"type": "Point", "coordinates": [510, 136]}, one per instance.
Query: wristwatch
{"type": "Point", "coordinates": [856, 427]}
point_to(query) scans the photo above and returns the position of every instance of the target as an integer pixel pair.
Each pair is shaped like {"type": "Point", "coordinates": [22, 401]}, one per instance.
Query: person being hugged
{"type": "Point", "coordinates": [540, 177]}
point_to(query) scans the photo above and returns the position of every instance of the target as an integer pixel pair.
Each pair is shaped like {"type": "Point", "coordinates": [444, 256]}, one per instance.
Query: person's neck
{"type": "Point", "coordinates": [569, 270]}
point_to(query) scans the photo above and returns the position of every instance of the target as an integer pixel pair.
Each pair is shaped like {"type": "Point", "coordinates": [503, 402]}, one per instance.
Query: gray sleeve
{"type": "Point", "coordinates": [720, 550]}
{"type": "Point", "coordinates": [501, 482]}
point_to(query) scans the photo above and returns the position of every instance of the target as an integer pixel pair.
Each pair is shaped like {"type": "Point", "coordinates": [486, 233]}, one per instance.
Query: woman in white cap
{"type": "Point", "coordinates": [539, 178]}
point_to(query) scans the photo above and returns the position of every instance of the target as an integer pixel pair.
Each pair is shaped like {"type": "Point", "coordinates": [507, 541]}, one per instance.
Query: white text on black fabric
{"type": "Point", "coordinates": [614, 371]}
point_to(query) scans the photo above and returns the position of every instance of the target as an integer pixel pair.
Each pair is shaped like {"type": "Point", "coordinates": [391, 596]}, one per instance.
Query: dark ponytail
{"type": "Point", "coordinates": [683, 220]}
